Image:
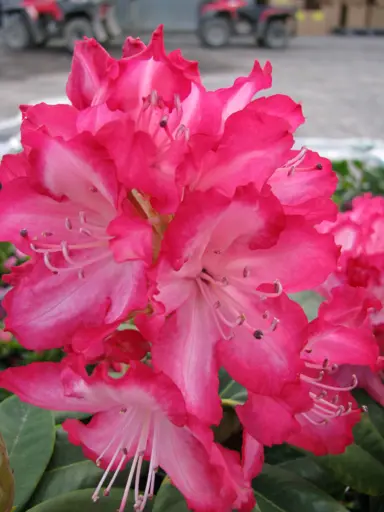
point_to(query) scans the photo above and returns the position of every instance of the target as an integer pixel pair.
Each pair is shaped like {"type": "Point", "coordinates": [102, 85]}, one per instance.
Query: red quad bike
{"type": "Point", "coordinates": [219, 20]}
{"type": "Point", "coordinates": [31, 23]}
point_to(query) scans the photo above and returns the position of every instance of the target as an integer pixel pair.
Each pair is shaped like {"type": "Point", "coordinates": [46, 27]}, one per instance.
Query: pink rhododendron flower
{"type": "Point", "coordinates": [69, 213]}
{"type": "Point", "coordinates": [141, 416]}
{"type": "Point", "coordinates": [222, 258]}
{"type": "Point", "coordinates": [318, 412]}
{"type": "Point", "coordinates": [361, 265]}
{"type": "Point", "coordinates": [151, 200]}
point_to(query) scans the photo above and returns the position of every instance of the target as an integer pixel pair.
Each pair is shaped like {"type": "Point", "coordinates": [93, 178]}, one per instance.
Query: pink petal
{"type": "Point", "coordinates": [93, 119]}
{"type": "Point", "coordinates": [252, 456]}
{"type": "Point", "coordinates": [185, 352]}
{"type": "Point", "coordinates": [147, 71]}
{"type": "Point", "coordinates": [367, 379]}
{"type": "Point", "coordinates": [13, 166]}
{"type": "Point", "coordinates": [55, 120]}
{"type": "Point", "coordinates": [307, 190]}
{"type": "Point", "coordinates": [132, 46]}
{"type": "Point", "coordinates": [132, 237]}
{"type": "Point", "coordinates": [243, 157]}
{"type": "Point", "coordinates": [126, 346]}
{"type": "Point", "coordinates": [92, 69]}
{"type": "Point", "coordinates": [79, 169]}
{"type": "Point", "coordinates": [301, 259]}
{"type": "Point", "coordinates": [187, 462]}
{"type": "Point", "coordinates": [233, 476]}
{"type": "Point", "coordinates": [237, 96]}
{"type": "Point", "coordinates": [192, 227]}
{"type": "Point", "coordinates": [282, 106]}
{"type": "Point", "coordinates": [341, 345]}
{"type": "Point", "coordinates": [63, 303]}
{"type": "Point", "coordinates": [23, 208]}
{"type": "Point", "coordinates": [41, 384]}
{"type": "Point", "coordinates": [265, 365]}
{"type": "Point", "coordinates": [322, 439]}
{"type": "Point", "coordinates": [267, 419]}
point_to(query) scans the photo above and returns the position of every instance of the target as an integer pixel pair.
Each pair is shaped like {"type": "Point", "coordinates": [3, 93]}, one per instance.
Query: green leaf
{"type": "Point", "coordinates": [368, 437]}
{"type": "Point", "coordinates": [307, 468]}
{"type": "Point", "coordinates": [309, 301]}
{"type": "Point", "coordinates": [357, 469]}
{"type": "Point", "coordinates": [80, 501]}
{"type": "Point", "coordinates": [169, 499]}
{"type": "Point", "coordinates": [230, 391]}
{"type": "Point", "coordinates": [7, 484]}
{"type": "Point", "coordinates": [282, 453]}
{"type": "Point", "coordinates": [69, 471]}
{"type": "Point", "coordinates": [61, 416]}
{"type": "Point", "coordinates": [29, 434]}
{"type": "Point", "coordinates": [278, 490]}
{"type": "Point", "coordinates": [361, 467]}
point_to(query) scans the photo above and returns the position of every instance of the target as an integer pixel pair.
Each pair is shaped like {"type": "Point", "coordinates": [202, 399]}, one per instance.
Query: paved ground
{"type": "Point", "coordinates": [340, 81]}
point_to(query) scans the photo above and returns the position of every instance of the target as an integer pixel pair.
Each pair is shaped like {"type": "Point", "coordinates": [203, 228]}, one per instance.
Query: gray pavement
{"type": "Point", "coordinates": [339, 80]}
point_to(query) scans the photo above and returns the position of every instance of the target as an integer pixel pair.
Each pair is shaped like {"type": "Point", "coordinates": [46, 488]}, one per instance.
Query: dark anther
{"type": "Point", "coordinates": [24, 233]}
{"type": "Point", "coordinates": [164, 122]}
{"type": "Point", "coordinates": [319, 166]}
{"type": "Point", "coordinates": [125, 451]}
{"type": "Point", "coordinates": [1, 186]}
{"type": "Point", "coordinates": [205, 271]}
{"type": "Point", "coordinates": [258, 334]}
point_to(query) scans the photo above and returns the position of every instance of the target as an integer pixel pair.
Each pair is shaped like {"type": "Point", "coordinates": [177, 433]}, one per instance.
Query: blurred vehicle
{"type": "Point", "coordinates": [219, 20]}
{"type": "Point", "coordinates": [31, 23]}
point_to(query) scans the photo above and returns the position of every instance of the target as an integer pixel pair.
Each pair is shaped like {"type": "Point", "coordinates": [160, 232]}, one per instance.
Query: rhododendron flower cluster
{"type": "Point", "coordinates": [360, 273]}
{"type": "Point", "coordinates": [165, 225]}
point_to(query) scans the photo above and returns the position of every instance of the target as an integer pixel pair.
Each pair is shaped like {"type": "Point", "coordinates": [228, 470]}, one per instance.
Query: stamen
{"type": "Point", "coordinates": [322, 422]}
{"type": "Point", "coordinates": [246, 272]}
{"type": "Point", "coordinates": [317, 382]}
{"type": "Point", "coordinates": [149, 487]}
{"type": "Point", "coordinates": [154, 98]}
{"type": "Point", "coordinates": [24, 233]}
{"type": "Point", "coordinates": [117, 471]}
{"type": "Point", "coordinates": [164, 121]}
{"type": "Point", "coordinates": [258, 334]}
{"type": "Point", "coordinates": [138, 460]}
{"type": "Point", "coordinates": [68, 223]}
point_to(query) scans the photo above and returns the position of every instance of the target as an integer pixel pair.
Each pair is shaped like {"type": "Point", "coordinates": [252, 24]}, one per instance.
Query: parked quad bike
{"type": "Point", "coordinates": [221, 20]}
{"type": "Point", "coordinates": [31, 23]}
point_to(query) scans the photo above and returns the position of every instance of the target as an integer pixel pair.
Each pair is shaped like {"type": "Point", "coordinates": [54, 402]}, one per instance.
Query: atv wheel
{"type": "Point", "coordinates": [75, 30]}
{"type": "Point", "coordinates": [215, 33]}
{"type": "Point", "coordinates": [16, 34]}
{"type": "Point", "coordinates": [276, 35]}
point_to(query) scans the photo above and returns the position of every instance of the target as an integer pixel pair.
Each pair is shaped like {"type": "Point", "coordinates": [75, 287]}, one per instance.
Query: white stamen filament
{"type": "Point", "coordinates": [141, 447]}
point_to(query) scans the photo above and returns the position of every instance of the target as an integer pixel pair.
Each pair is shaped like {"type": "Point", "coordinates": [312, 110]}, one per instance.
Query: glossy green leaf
{"type": "Point", "coordinates": [278, 490]}
{"type": "Point", "coordinates": [80, 501]}
{"type": "Point", "coordinates": [361, 467]}
{"type": "Point", "coordinates": [7, 484]}
{"type": "Point", "coordinates": [368, 437]}
{"type": "Point", "coordinates": [230, 391]}
{"type": "Point", "coordinates": [307, 468]}
{"type": "Point", "coordinates": [70, 471]}
{"type": "Point", "coordinates": [29, 434]}
{"type": "Point", "coordinates": [61, 416]}
{"type": "Point", "coordinates": [356, 468]}
{"type": "Point", "coordinates": [169, 499]}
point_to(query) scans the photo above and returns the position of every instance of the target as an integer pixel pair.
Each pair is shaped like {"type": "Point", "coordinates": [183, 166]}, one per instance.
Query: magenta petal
{"type": "Point", "coordinates": [185, 352]}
